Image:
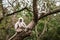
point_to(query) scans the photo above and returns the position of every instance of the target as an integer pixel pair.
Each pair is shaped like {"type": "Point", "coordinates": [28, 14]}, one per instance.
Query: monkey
{"type": "Point", "coordinates": [43, 7]}
{"type": "Point", "coordinates": [20, 25]}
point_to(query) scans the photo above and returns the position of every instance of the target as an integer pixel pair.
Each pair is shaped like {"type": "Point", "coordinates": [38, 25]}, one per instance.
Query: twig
{"type": "Point", "coordinates": [13, 36]}
{"type": "Point", "coordinates": [44, 29]}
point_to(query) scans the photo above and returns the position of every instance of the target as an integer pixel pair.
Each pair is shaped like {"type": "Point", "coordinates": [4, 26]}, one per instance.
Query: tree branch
{"type": "Point", "coordinates": [13, 36]}
{"type": "Point", "coordinates": [29, 10]}
{"type": "Point", "coordinates": [20, 35]}
{"type": "Point", "coordinates": [14, 13]}
{"type": "Point", "coordinates": [35, 11]}
{"type": "Point", "coordinates": [10, 3]}
{"type": "Point", "coordinates": [55, 11]}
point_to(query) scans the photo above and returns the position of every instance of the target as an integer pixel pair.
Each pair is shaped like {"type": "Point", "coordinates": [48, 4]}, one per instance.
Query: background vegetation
{"type": "Point", "coordinates": [48, 28]}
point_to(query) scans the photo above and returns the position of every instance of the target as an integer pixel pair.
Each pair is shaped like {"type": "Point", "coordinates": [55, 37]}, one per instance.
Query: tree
{"type": "Point", "coordinates": [33, 23]}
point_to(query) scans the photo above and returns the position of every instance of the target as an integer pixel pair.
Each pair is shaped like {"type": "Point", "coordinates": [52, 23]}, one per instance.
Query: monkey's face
{"type": "Point", "coordinates": [20, 20]}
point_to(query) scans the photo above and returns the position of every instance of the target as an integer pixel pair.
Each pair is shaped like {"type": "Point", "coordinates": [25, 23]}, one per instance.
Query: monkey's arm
{"type": "Point", "coordinates": [24, 25]}
{"type": "Point", "coordinates": [17, 28]}
{"type": "Point", "coordinates": [16, 25]}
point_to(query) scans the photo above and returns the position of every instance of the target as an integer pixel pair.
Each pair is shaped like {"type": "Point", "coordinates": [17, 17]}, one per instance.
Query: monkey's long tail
{"type": "Point", "coordinates": [13, 36]}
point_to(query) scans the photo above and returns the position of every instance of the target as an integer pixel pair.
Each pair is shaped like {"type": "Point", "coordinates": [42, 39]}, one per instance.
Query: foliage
{"type": "Point", "coordinates": [52, 25]}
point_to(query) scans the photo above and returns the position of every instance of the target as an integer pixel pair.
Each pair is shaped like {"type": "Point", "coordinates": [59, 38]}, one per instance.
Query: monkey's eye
{"type": "Point", "coordinates": [20, 20]}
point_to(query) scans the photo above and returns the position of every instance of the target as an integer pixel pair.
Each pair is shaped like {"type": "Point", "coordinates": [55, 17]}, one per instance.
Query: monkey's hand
{"type": "Point", "coordinates": [18, 30]}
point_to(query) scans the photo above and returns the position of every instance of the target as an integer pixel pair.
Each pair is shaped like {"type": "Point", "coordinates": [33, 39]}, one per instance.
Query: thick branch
{"type": "Point", "coordinates": [20, 35]}
{"type": "Point", "coordinates": [15, 13]}
{"type": "Point", "coordinates": [35, 10]}
{"type": "Point", "coordinates": [55, 11]}
{"type": "Point", "coordinates": [11, 14]}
